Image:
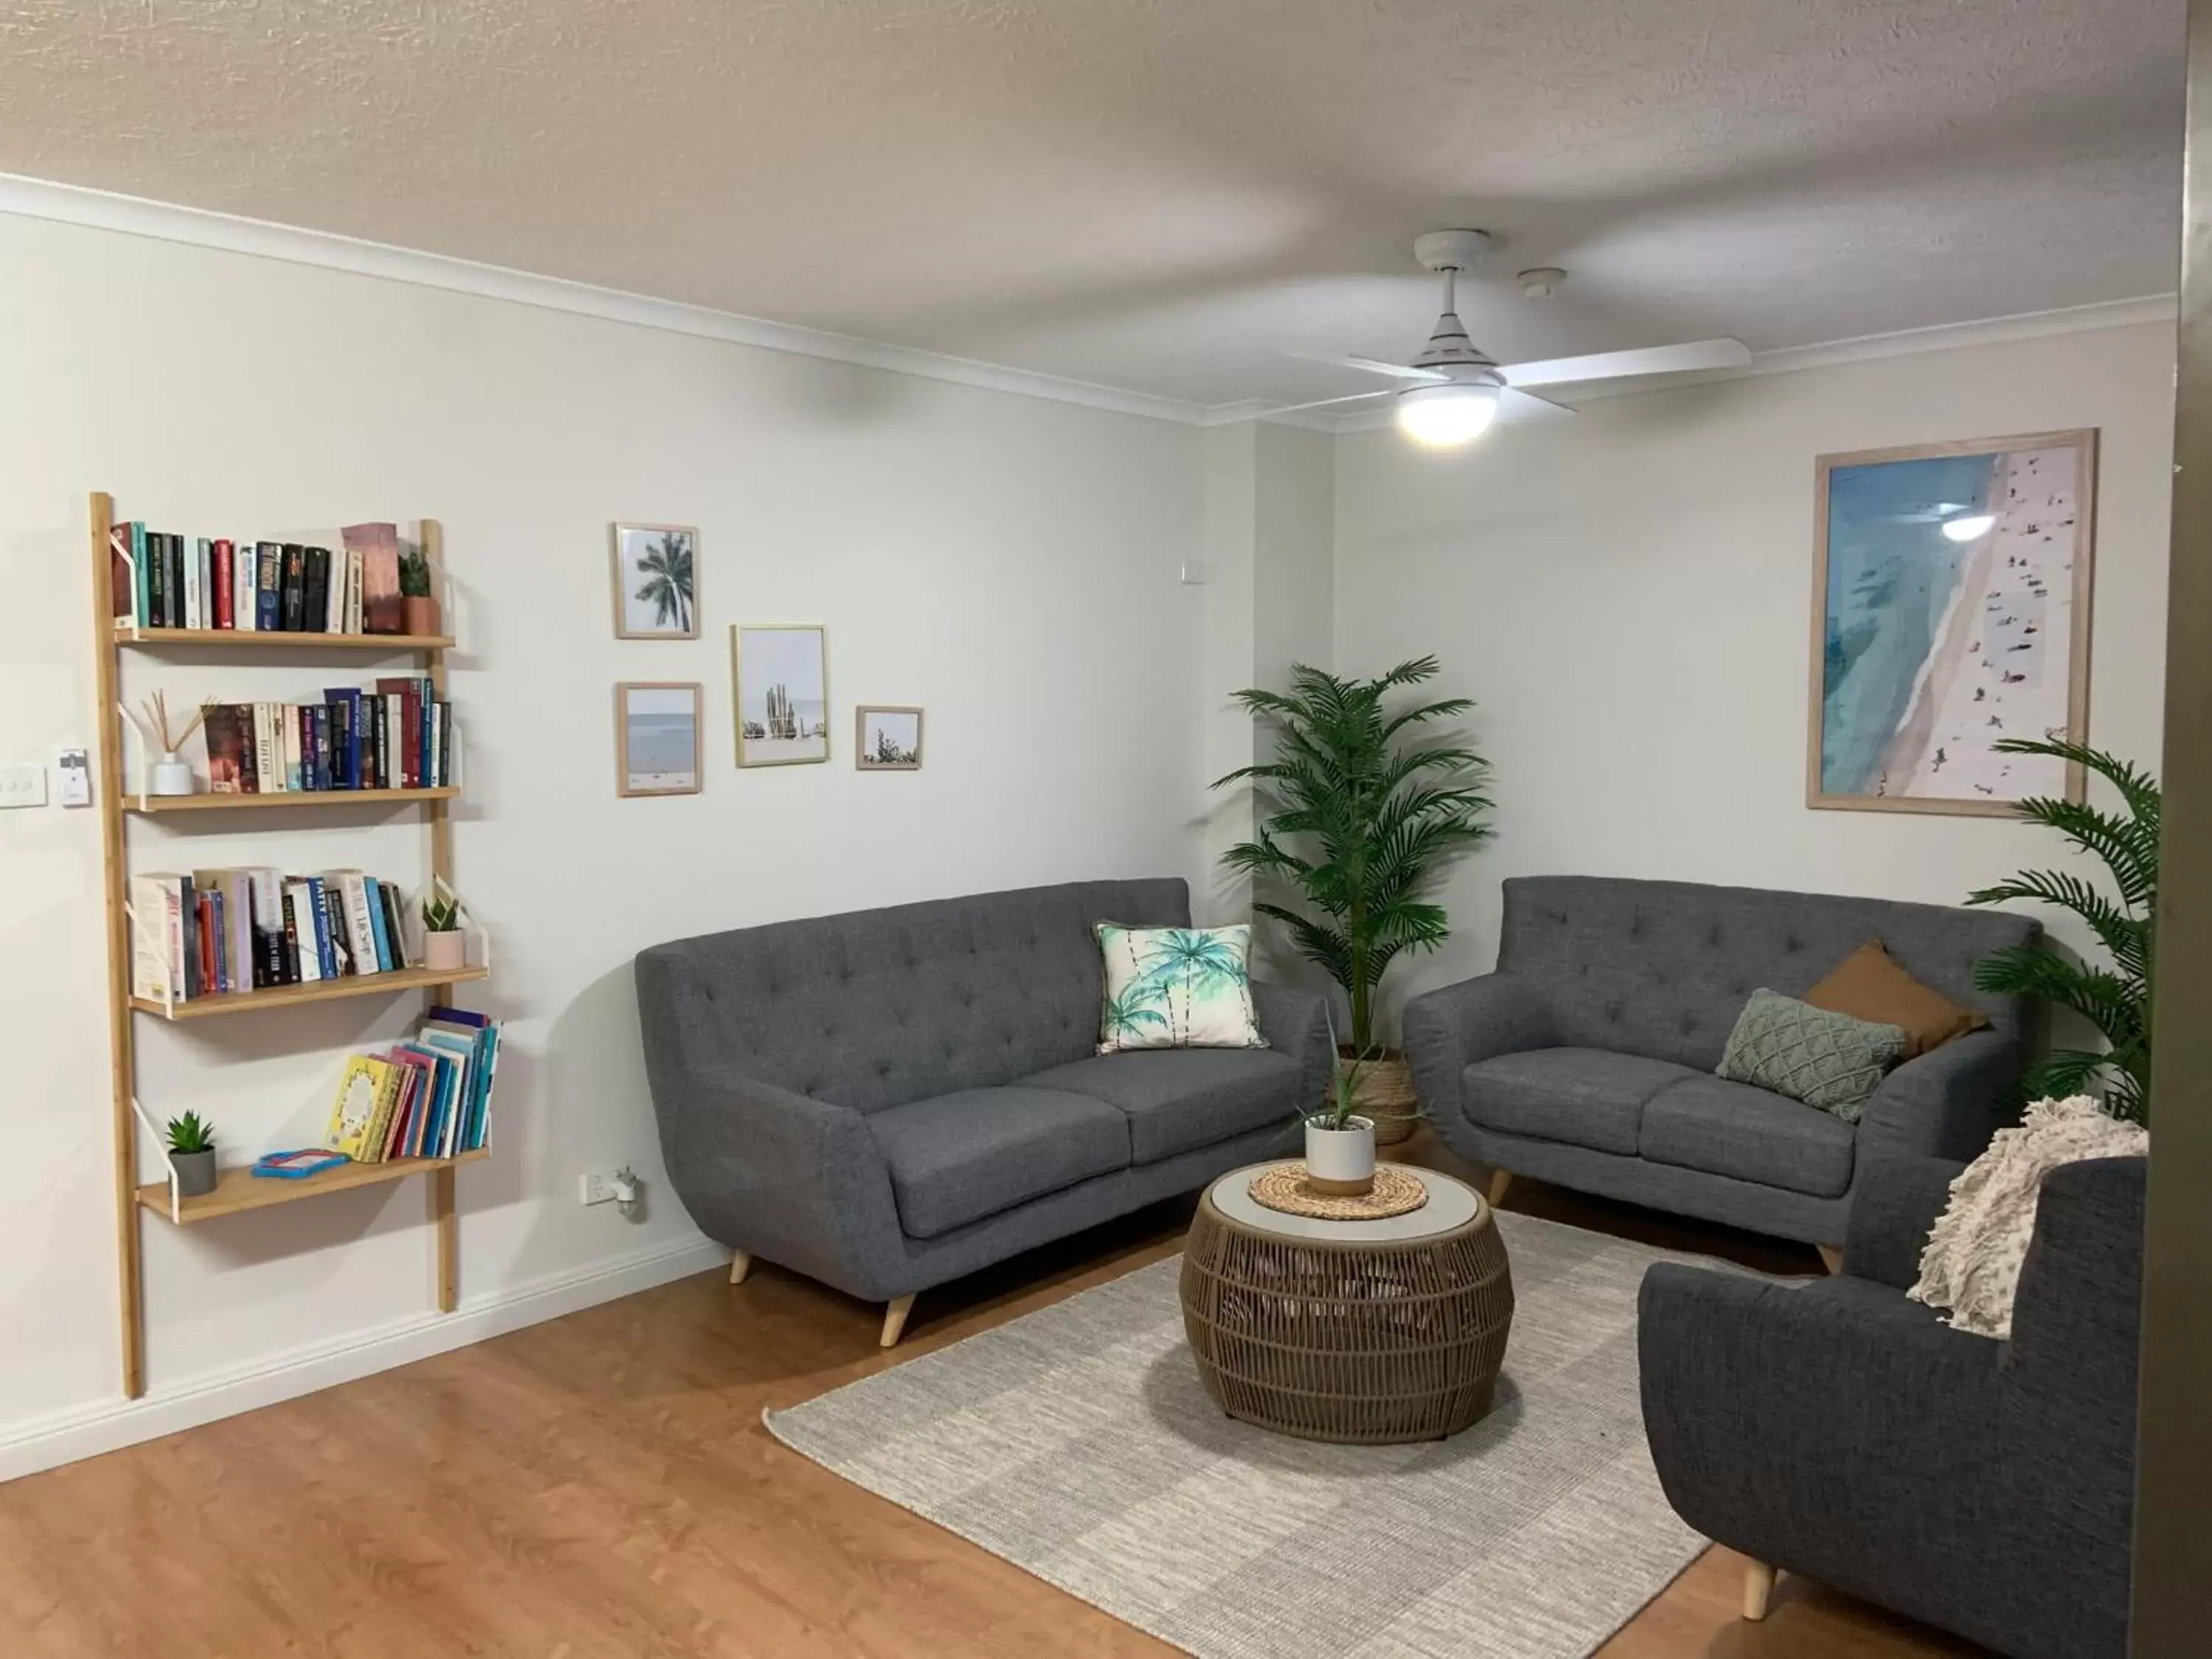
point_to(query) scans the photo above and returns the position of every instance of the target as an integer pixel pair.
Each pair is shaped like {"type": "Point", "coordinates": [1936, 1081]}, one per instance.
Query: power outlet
{"type": "Point", "coordinates": [597, 1188]}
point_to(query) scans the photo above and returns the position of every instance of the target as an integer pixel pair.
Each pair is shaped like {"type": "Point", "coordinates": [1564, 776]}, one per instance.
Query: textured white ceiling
{"type": "Point", "coordinates": [1166, 195]}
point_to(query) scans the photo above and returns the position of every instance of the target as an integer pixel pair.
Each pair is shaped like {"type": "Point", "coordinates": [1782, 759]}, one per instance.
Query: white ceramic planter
{"type": "Point", "coordinates": [447, 950]}
{"type": "Point", "coordinates": [1342, 1161]}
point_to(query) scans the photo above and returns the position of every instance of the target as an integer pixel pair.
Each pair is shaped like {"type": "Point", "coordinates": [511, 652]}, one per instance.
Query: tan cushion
{"type": "Point", "coordinates": [1868, 984]}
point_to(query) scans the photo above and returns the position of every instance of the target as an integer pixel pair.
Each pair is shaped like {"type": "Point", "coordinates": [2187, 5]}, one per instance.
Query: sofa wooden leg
{"type": "Point", "coordinates": [1832, 1257]}
{"type": "Point", "coordinates": [1758, 1589]}
{"type": "Point", "coordinates": [1501, 1182]}
{"type": "Point", "coordinates": [740, 1265]}
{"type": "Point", "coordinates": [895, 1314]}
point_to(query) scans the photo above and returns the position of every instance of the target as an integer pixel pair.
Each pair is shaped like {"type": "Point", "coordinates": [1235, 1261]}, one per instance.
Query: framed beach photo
{"type": "Point", "coordinates": [657, 737]}
{"type": "Point", "coordinates": [782, 691]}
{"type": "Point", "coordinates": [887, 737]}
{"type": "Point", "coordinates": [1950, 612]}
{"type": "Point", "coordinates": [656, 581]}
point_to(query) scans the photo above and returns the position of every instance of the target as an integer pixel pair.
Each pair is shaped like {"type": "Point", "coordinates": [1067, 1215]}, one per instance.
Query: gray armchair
{"type": "Point", "coordinates": [1588, 1058]}
{"type": "Point", "coordinates": [1839, 1430]}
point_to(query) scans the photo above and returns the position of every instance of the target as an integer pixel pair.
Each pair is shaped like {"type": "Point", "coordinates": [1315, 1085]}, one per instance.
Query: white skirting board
{"type": "Point", "coordinates": [86, 1431]}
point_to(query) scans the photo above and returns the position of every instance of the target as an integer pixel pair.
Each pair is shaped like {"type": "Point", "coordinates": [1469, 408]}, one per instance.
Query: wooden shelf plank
{"type": "Point", "coordinates": [320, 990]}
{"type": "Point", "coordinates": [211, 802]}
{"type": "Point", "coordinates": [239, 1189]}
{"type": "Point", "coordinates": [151, 638]}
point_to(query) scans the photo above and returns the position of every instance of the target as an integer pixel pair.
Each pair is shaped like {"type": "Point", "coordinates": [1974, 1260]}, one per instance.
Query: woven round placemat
{"type": "Point", "coordinates": [1284, 1187]}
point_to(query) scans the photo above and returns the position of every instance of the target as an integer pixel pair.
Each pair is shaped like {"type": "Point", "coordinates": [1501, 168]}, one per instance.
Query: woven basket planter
{"type": "Point", "coordinates": [1386, 1097]}
{"type": "Point", "coordinates": [1356, 1342]}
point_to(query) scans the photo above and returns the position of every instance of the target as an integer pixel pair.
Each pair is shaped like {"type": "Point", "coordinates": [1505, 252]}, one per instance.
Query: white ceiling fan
{"type": "Point", "coordinates": [1461, 390]}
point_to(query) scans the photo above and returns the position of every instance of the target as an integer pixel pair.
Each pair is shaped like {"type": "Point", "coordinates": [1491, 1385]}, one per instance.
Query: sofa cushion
{"type": "Point", "coordinates": [955, 1158]}
{"type": "Point", "coordinates": [1177, 988]}
{"type": "Point", "coordinates": [1178, 1100]}
{"type": "Point", "coordinates": [1869, 984]}
{"type": "Point", "coordinates": [1733, 1129]}
{"type": "Point", "coordinates": [1825, 1059]}
{"type": "Point", "coordinates": [1588, 1097]}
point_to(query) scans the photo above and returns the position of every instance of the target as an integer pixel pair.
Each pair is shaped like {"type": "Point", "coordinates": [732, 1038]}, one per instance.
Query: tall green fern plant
{"type": "Point", "coordinates": [2115, 999]}
{"type": "Point", "coordinates": [1358, 819]}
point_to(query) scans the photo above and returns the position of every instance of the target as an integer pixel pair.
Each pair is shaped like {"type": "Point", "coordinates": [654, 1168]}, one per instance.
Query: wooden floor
{"type": "Point", "coordinates": [600, 1487]}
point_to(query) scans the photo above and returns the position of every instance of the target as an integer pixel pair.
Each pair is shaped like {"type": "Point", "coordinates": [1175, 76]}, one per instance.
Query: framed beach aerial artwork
{"type": "Point", "coordinates": [656, 581]}
{"type": "Point", "coordinates": [657, 737]}
{"type": "Point", "coordinates": [782, 693]}
{"type": "Point", "coordinates": [1950, 612]}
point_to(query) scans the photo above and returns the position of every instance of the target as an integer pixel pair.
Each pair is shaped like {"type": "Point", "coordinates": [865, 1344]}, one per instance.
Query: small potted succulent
{"type": "Point", "coordinates": [1339, 1143]}
{"type": "Point", "coordinates": [418, 602]}
{"type": "Point", "coordinates": [445, 946]}
{"type": "Point", "coordinates": [191, 1155]}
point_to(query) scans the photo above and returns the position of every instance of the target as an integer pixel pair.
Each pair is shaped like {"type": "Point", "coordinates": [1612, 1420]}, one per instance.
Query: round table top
{"type": "Point", "coordinates": [1452, 1205]}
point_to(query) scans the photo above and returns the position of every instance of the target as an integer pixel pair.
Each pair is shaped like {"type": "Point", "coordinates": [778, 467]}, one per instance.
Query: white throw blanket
{"type": "Point", "coordinates": [1972, 1263]}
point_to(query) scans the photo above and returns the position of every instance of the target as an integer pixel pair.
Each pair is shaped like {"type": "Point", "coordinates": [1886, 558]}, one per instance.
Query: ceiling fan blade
{"type": "Point", "coordinates": [1371, 365]}
{"type": "Point", "coordinates": [1323, 403]}
{"type": "Point", "coordinates": [1526, 406]}
{"type": "Point", "coordinates": [1619, 365]}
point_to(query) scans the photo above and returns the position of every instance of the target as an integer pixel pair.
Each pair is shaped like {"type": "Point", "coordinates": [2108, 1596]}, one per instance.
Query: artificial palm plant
{"type": "Point", "coordinates": [1358, 817]}
{"type": "Point", "coordinates": [2116, 998]}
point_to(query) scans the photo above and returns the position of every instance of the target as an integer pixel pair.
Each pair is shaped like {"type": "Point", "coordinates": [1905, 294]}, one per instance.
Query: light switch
{"type": "Point", "coordinates": [1193, 573]}
{"type": "Point", "coordinates": [23, 784]}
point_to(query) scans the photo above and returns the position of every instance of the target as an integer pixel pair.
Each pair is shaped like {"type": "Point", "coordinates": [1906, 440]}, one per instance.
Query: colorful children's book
{"type": "Point", "coordinates": [297, 1166]}
{"type": "Point", "coordinates": [366, 1087]}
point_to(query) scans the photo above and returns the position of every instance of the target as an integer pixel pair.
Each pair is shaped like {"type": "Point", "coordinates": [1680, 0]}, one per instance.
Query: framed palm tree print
{"type": "Point", "coordinates": [656, 581]}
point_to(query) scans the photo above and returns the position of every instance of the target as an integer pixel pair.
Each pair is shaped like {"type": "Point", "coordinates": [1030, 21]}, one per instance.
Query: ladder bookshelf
{"type": "Point", "coordinates": [237, 1190]}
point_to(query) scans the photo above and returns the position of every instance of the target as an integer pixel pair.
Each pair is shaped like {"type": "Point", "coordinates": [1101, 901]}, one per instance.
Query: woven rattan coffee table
{"type": "Point", "coordinates": [1364, 1332]}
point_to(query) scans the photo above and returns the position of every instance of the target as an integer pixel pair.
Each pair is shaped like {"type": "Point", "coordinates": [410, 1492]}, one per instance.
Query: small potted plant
{"type": "Point", "coordinates": [419, 605]}
{"type": "Point", "coordinates": [1339, 1143]}
{"type": "Point", "coordinates": [444, 945]}
{"type": "Point", "coordinates": [191, 1155]}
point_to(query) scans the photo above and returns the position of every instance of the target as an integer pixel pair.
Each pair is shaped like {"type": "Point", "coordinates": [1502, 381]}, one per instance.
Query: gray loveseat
{"type": "Point", "coordinates": [1588, 1058]}
{"type": "Point", "coordinates": [888, 1099]}
{"type": "Point", "coordinates": [1839, 1430]}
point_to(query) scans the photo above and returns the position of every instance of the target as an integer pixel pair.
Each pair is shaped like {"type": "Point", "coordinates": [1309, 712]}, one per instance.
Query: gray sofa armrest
{"type": "Point", "coordinates": [1450, 1029]}
{"type": "Point", "coordinates": [1893, 1211]}
{"type": "Point", "coordinates": [1947, 1103]}
{"type": "Point", "coordinates": [794, 1180]}
{"type": "Point", "coordinates": [1297, 1023]}
{"type": "Point", "coordinates": [1821, 1427]}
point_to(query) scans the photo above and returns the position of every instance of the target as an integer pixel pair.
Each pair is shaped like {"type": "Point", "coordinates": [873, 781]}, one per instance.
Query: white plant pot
{"type": "Point", "coordinates": [172, 775]}
{"type": "Point", "coordinates": [1340, 1163]}
{"type": "Point", "coordinates": [446, 951]}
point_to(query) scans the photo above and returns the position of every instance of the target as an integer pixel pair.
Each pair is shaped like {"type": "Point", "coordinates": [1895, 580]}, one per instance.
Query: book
{"type": "Point", "coordinates": [266, 896]}
{"type": "Point", "coordinates": [292, 609]}
{"type": "Point", "coordinates": [315, 590]}
{"type": "Point", "coordinates": [157, 902]}
{"type": "Point", "coordinates": [328, 945]}
{"type": "Point", "coordinates": [395, 925]}
{"type": "Point", "coordinates": [365, 1091]}
{"type": "Point", "coordinates": [245, 600]}
{"type": "Point", "coordinates": [197, 557]}
{"type": "Point", "coordinates": [299, 933]}
{"type": "Point", "coordinates": [382, 609]}
{"type": "Point", "coordinates": [223, 592]}
{"type": "Point", "coordinates": [288, 722]}
{"type": "Point", "coordinates": [299, 1165]}
{"type": "Point", "coordinates": [379, 933]}
{"type": "Point", "coordinates": [360, 925]}
{"type": "Point", "coordinates": [345, 735]}
{"type": "Point", "coordinates": [353, 622]}
{"type": "Point", "coordinates": [229, 740]}
{"type": "Point", "coordinates": [268, 593]}
{"type": "Point", "coordinates": [174, 544]}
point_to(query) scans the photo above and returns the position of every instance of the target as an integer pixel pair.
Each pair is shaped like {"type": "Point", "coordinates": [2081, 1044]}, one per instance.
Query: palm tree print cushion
{"type": "Point", "coordinates": [1177, 988]}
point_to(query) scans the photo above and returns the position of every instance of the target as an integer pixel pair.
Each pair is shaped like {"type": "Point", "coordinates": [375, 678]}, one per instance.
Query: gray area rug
{"type": "Point", "coordinates": [1077, 1444]}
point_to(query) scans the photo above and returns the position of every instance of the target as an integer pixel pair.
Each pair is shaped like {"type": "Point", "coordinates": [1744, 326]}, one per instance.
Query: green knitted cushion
{"type": "Point", "coordinates": [1826, 1059]}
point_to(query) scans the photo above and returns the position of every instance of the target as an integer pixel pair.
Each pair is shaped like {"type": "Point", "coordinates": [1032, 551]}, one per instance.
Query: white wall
{"type": "Point", "coordinates": [1627, 594]}
{"type": "Point", "coordinates": [1010, 563]}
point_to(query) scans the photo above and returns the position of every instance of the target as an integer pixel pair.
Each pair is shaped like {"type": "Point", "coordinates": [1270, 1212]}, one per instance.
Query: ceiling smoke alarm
{"type": "Point", "coordinates": [1542, 283]}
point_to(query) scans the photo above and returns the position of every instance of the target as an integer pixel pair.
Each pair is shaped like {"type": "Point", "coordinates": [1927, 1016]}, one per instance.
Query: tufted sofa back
{"type": "Point", "coordinates": [876, 1007]}
{"type": "Point", "coordinates": [1663, 968]}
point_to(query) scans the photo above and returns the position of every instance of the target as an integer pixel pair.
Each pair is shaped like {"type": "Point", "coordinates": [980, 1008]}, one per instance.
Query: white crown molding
{"type": "Point", "coordinates": [48, 1442]}
{"type": "Point", "coordinates": [1906, 342]}
{"type": "Point", "coordinates": [39, 199]}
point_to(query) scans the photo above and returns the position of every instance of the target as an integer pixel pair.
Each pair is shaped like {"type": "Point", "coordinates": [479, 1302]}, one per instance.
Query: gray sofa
{"type": "Point", "coordinates": [888, 1099]}
{"type": "Point", "coordinates": [1588, 1058]}
{"type": "Point", "coordinates": [1837, 1430]}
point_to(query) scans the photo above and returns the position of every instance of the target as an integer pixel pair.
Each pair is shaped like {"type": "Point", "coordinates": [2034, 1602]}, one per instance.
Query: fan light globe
{"type": "Point", "coordinates": [1970, 527]}
{"type": "Point", "coordinates": [1446, 417]}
